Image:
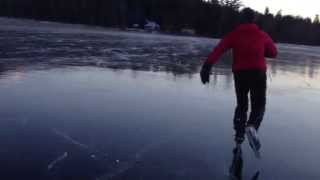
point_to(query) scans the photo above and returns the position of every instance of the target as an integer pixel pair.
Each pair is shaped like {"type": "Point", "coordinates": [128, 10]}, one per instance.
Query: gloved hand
{"type": "Point", "coordinates": [205, 73]}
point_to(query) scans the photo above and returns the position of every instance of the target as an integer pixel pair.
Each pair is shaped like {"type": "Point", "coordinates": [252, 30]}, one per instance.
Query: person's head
{"type": "Point", "coordinates": [247, 15]}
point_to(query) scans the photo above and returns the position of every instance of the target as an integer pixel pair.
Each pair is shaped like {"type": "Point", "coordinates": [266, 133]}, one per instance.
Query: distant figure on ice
{"type": "Point", "coordinates": [250, 46]}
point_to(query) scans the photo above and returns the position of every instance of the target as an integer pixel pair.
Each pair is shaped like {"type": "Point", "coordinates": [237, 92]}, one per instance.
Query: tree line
{"type": "Point", "coordinates": [212, 18]}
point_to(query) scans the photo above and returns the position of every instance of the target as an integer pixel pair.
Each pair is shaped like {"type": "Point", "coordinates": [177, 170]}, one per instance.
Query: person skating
{"type": "Point", "coordinates": [250, 46]}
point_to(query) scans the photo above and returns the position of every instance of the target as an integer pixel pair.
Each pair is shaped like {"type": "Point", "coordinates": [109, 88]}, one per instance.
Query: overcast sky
{"type": "Point", "coordinates": [305, 8]}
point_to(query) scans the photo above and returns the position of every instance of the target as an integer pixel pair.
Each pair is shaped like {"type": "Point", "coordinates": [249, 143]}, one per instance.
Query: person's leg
{"type": "Point", "coordinates": [240, 115]}
{"type": "Point", "coordinates": [258, 90]}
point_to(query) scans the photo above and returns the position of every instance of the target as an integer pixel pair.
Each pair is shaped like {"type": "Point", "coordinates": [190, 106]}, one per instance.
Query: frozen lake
{"type": "Point", "coordinates": [81, 102]}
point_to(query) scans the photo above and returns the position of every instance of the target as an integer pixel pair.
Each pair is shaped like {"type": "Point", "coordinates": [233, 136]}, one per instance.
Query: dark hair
{"type": "Point", "coordinates": [247, 15]}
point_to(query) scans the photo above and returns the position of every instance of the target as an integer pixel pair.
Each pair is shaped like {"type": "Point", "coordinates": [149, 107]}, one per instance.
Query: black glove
{"type": "Point", "coordinates": [205, 73]}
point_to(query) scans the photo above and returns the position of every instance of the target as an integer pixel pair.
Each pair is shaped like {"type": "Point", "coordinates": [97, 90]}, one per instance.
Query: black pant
{"type": "Point", "coordinates": [255, 83]}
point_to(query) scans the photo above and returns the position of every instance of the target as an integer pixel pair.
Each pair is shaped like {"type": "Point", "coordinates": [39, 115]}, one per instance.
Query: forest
{"type": "Point", "coordinates": [211, 18]}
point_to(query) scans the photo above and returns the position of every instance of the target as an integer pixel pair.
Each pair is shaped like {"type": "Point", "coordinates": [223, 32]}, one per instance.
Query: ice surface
{"type": "Point", "coordinates": [60, 44]}
{"type": "Point", "coordinates": [70, 139]}
{"type": "Point", "coordinates": [59, 159]}
{"type": "Point", "coordinates": [128, 105]}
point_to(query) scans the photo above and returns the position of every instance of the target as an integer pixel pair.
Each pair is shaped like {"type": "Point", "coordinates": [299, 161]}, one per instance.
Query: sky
{"type": "Point", "coordinates": [304, 8]}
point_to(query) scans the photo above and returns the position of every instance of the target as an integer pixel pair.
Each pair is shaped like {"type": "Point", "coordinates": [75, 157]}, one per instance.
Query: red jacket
{"type": "Point", "coordinates": [250, 46]}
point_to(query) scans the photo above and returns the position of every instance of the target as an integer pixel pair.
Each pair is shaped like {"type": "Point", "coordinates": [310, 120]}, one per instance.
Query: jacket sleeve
{"type": "Point", "coordinates": [223, 46]}
{"type": "Point", "coordinates": [270, 48]}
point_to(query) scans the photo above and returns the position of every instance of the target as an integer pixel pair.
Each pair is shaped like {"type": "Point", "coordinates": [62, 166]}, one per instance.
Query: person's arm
{"type": "Point", "coordinates": [270, 48]}
{"type": "Point", "coordinates": [223, 46]}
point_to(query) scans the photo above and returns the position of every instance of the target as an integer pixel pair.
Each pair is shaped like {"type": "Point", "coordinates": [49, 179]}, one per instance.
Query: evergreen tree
{"type": "Point", "coordinates": [316, 19]}
{"type": "Point", "coordinates": [267, 11]}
